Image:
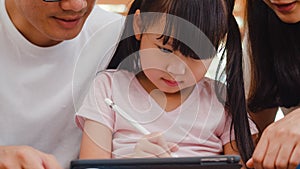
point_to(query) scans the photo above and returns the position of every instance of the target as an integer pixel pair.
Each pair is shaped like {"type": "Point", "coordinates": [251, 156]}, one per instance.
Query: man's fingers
{"type": "Point", "coordinates": [24, 157]}
{"type": "Point", "coordinates": [8, 164]}
{"type": "Point", "coordinates": [50, 162]}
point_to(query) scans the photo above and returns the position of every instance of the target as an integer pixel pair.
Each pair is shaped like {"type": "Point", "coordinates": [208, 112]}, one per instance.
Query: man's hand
{"type": "Point", "coordinates": [24, 157]}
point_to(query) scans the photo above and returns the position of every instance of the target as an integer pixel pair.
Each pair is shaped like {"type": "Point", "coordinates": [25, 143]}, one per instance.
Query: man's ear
{"type": "Point", "coordinates": [137, 22]}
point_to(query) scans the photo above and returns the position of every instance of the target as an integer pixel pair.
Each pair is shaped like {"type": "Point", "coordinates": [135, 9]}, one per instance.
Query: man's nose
{"type": "Point", "coordinates": [73, 5]}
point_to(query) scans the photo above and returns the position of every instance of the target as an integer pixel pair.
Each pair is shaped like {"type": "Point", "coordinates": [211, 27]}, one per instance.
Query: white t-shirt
{"type": "Point", "coordinates": [40, 88]}
{"type": "Point", "coordinates": [200, 126]}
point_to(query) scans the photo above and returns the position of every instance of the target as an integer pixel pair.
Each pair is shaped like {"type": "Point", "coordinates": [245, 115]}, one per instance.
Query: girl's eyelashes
{"type": "Point", "coordinates": [164, 50]}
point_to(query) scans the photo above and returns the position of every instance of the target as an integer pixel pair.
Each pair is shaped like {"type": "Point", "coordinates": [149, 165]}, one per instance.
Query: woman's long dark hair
{"type": "Point", "coordinates": [216, 21]}
{"type": "Point", "coordinates": [275, 59]}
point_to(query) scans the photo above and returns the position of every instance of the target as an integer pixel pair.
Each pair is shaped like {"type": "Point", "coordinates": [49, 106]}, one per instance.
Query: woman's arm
{"type": "Point", "coordinates": [264, 118]}
{"type": "Point", "coordinates": [96, 141]}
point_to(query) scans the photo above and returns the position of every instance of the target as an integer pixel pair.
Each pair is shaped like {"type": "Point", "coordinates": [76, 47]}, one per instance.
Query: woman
{"type": "Point", "coordinates": [274, 50]}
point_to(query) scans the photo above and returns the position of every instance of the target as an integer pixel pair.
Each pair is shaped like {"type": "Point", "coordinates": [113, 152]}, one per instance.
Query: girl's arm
{"type": "Point", "coordinates": [231, 148]}
{"type": "Point", "coordinates": [96, 141]}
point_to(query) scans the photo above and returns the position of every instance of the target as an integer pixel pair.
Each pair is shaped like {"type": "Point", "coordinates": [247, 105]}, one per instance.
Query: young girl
{"type": "Point", "coordinates": [164, 54]}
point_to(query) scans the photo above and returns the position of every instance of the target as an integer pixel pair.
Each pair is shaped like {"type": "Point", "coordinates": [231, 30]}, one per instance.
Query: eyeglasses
{"type": "Point", "coordinates": [51, 0]}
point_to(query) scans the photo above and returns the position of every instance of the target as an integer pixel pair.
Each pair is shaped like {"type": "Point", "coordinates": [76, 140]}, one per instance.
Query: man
{"type": "Point", "coordinates": [50, 52]}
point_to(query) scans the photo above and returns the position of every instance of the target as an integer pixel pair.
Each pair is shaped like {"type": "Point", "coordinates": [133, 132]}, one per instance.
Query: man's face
{"type": "Point", "coordinates": [48, 23]}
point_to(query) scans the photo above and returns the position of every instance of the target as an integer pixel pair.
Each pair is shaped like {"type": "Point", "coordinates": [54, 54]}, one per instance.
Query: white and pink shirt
{"type": "Point", "coordinates": [200, 126]}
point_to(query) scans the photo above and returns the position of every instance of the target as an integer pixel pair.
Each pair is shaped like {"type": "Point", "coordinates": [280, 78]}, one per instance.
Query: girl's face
{"type": "Point", "coordinates": [169, 70]}
{"type": "Point", "coordinates": [287, 10]}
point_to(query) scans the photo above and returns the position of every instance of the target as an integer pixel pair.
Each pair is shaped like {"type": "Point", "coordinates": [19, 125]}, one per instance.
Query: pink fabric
{"type": "Point", "coordinates": [200, 126]}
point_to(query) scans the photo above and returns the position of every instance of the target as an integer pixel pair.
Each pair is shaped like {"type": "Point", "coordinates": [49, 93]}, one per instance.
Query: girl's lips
{"type": "Point", "coordinates": [285, 8]}
{"type": "Point", "coordinates": [170, 83]}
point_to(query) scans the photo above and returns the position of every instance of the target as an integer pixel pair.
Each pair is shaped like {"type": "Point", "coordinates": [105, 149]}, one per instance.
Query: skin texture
{"type": "Point", "coordinates": [43, 24]}
{"type": "Point", "coordinates": [49, 23]}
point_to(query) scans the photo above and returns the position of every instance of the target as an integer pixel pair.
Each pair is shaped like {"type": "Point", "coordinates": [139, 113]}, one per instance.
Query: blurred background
{"type": "Point", "coordinates": [121, 7]}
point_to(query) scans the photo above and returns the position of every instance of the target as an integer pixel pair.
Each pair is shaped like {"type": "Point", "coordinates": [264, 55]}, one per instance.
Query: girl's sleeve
{"type": "Point", "coordinates": [93, 107]}
{"type": "Point", "coordinates": [225, 137]}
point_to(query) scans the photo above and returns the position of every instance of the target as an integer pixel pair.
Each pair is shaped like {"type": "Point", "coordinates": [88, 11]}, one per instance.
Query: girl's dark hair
{"type": "Point", "coordinates": [216, 21]}
{"type": "Point", "coordinates": [275, 59]}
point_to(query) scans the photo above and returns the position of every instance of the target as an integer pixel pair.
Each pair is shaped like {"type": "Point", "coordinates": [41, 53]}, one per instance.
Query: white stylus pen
{"type": "Point", "coordinates": [122, 113]}
{"type": "Point", "coordinates": [128, 118]}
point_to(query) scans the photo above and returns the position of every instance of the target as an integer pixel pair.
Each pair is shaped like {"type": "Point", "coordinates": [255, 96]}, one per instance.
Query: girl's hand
{"type": "Point", "coordinates": [279, 145]}
{"type": "Point", "coordinates": [154, 145]}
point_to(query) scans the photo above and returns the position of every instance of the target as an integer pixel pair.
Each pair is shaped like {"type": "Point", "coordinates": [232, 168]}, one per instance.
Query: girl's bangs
{"type": "Point", "coordinates": [196, 30]}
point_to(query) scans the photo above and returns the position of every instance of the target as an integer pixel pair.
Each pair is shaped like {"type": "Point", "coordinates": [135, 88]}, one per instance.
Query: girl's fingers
{"type": "Point", "coordinates": [162, 143]}
{"type": "Point", "coordinates": [156, 145]}
{"type": "Point", "coordinates": [158, 139]}
{"type": "Point", "coordinates": [142, 154]}
{"type": "Point", "coordinates": [146, 146]}
{"type": "Point", "coordinates": [173, 147]}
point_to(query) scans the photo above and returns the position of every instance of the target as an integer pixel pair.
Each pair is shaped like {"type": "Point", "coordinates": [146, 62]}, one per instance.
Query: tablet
{"type": "Point", "coordinates": [203, 162]}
